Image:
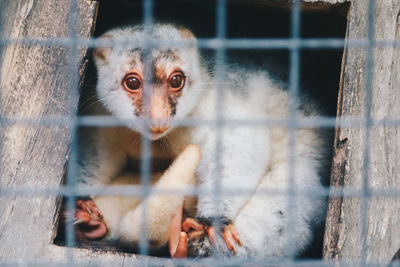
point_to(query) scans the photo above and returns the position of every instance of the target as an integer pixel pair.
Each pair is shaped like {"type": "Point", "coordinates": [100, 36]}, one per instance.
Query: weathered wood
{"type": "Point", "coordinates": [306, 5]}
{"type": "Point", "coordinates": [396, 256]}
{"type": "Point", "coordinates": [343, 240]}
{"type": "Point", "coordinates": [36, 81]}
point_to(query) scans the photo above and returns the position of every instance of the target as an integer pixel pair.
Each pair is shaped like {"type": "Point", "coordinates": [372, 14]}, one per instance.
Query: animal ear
{"type": "Point", "coordinates": [101, 54]}
{"type": "Point", "coordinates": [186, 33]}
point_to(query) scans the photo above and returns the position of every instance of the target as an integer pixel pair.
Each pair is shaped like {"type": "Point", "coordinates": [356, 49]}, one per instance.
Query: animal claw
{"type": "Point", "coordinates": [77, 221]}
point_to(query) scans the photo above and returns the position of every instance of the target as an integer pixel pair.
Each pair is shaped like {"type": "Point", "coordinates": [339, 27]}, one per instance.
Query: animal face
{"type": "Point", "coordinates": [150, 87]}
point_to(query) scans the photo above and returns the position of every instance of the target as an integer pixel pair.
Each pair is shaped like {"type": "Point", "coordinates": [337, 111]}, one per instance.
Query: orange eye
{"type": "Point", "coordinates": [177, 81]}
{"type": "Point", "coordinates": [132, 82]}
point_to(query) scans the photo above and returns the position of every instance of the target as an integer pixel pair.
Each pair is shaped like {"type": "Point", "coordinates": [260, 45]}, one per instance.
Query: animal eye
{"type": "Point", "coordinates": [132, 82]}
{"type": "Point", "coordinates": [177, 81]}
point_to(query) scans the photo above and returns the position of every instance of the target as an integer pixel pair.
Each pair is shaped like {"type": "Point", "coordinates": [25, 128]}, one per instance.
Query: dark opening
{"type": "Point", "coordinates": [319, 69]}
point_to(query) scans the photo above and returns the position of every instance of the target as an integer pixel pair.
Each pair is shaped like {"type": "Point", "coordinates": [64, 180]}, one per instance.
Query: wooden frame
{"type": "Point", "coordinates": [36, 81]}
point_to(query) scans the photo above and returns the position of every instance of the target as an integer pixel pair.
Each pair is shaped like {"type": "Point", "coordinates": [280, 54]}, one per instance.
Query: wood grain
{"type": "Point", "coordinates": [36, 81]}
{"type": "Point", "coordinates": [306, 5]}
{"type": "Point", "coordinates": [343, 236]}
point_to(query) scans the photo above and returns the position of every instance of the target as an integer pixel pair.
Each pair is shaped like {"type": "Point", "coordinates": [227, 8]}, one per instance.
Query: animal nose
{"type": "Point", "coordinates": [158, 126]}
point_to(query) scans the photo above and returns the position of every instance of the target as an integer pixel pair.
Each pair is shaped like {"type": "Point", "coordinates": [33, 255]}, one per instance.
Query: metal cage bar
{"type": "Point", "coordinates": [294, 80]}
{"type": "Point", "coordinates": [146, 143]}
{"type": "Point", "coordinates": [369, 65]}
{"type": "Point", "coordinates": [71, 180]}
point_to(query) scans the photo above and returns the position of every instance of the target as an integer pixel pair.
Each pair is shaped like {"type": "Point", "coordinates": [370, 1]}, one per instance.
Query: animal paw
{"type": "Point", "coordinates": [195, 229]}
{"type": "Point", "coordinates": [88, 220]}
{"type": "Point", "coordinates": [199, 244]}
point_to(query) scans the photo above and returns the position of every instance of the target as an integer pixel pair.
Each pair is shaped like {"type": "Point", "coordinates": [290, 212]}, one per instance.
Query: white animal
{"type": "Point", "coordinates": [251, 159]}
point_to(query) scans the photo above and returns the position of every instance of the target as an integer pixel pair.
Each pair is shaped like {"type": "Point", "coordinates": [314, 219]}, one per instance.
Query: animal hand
{"type": "Point", "coordinates": [194, 229]}
{"type": "Point", "coordinates": [88, 220]}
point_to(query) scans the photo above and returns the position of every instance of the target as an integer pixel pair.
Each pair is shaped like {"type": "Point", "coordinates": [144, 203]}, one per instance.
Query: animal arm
{"type": "Point", "coordinates": [162, 207]}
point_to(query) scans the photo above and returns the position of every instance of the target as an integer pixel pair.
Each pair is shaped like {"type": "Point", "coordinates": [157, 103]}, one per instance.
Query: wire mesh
{"type": "Point", "coordinates": [146, 145]}
{"type": "Point", "coordinates": [220, 44]}
{"type": "Point", "coordinates": [366, 158]}
{"type": "Point", "coordinates": [294, 82]}
{"type": "Point", "coordinates": [71, 181]}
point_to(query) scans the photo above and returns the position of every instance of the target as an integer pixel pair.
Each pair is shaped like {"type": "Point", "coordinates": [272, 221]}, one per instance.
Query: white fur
{"type": "Point", "coordinates": [251, 158]}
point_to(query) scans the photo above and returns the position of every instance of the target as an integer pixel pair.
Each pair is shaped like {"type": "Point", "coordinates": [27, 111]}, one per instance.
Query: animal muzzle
{"type": "Point", "coordinates": [160, 116]}
{"type": "Point", "coordinates": [159, 112]}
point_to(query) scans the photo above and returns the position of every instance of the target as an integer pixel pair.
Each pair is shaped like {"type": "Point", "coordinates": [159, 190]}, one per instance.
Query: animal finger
{"type": "Point", "coordinates": [212, 234]}
{"type": "Point", "coordinates": [182, 248]}
{"type": "Point", "coordinates": [229, 241]}
{"type": "Point", "coordinates": [235, 234]}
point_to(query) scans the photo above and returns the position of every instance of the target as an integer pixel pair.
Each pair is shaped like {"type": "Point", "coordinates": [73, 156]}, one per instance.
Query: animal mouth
{"type": "Point", "coordinates": [159, 129]}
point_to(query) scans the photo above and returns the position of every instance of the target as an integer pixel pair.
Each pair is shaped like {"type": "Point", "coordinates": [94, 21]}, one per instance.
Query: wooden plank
{"type": "Point", "coordinates": [36, 81]}
{"type": "Point", "coordinates": [307, 5]}
{"type": "Point", "coordinates": [343, 240]}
